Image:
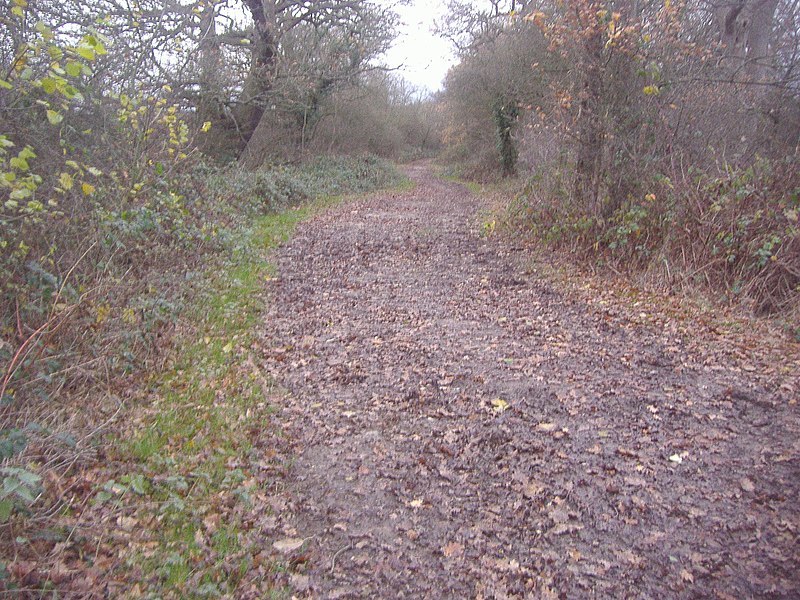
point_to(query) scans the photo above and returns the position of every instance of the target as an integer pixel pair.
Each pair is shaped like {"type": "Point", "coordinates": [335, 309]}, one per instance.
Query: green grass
{"type": "Point", "coordinates": [195, 441]}
{"type": "Point", "coordinates": [473, 186]}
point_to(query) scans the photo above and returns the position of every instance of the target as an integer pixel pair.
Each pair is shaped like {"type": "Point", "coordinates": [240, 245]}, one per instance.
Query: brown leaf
{"type": "Point", "coordinates": [532, 489]}
{"type": "Point", "coordinates": [288, 545]}
{"type": "Point", "coordinates": [453, 549]}
{"type": "Point", "coordinates": [211, 523]}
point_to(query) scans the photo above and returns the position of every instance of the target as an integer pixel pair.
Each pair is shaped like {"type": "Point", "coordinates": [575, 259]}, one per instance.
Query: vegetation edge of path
{"type": "Point", "coordinates": [178, 505]}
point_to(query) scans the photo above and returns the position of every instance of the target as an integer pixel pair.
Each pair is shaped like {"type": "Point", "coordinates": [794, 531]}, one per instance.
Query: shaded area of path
{"type": "Point", "coordinates": [462, 428]}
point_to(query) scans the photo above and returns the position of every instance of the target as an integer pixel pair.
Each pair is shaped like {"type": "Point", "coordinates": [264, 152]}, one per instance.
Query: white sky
{"type": "Point", "coordinates": [425, 57]}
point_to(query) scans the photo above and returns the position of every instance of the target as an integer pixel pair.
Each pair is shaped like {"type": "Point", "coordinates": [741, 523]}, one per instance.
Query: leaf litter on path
{"type": "Point", "coordinates": [624, 451]}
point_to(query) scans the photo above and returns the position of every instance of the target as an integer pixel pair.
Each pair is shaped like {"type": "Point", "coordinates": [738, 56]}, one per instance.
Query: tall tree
{"type": "Point", "coordinates": [358, 30]}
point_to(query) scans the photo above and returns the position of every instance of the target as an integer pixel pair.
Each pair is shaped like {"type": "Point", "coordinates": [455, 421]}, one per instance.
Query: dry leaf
{"type": "Point", "coordinates": [747, 485]}
{"type": "Point", "coordinates": [126, 523]}
{"type": "Point", "coordinates": [299, 582]}
{"type": "Point", "coordinates": [453, 549]}
{"type": "Point", "coordinates": [211, 523]}
{"type": "Point", "coordinates": [288, 545]}
{"type": "Point", "coordinates": [532, 489]}
{"type": "Point", "coordinates": [547, 427]}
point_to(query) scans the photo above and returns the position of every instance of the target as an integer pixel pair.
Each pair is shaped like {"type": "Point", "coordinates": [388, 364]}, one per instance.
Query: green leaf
{"type": "Point", "coordinates": [72, 94]}
{"type": "Point", "coordinates": [28, 478]}
{"type": "Point", "coordinates": [49, 85]}
{"type": "Point", "coordinates": [86, 52]}
{"type": "Point", "coordinates": [54, 117]}
{"type": "Point", "coordinates": [5, 85]}
{"type": "Point", "coordinates": [5, 510]}
{"type": "Point", "coordinates": [20, 194]}
{"type": "Point", "coordinates": [65, 181]}
{"type": "Point", "coordinates": [46, 32]}
{"type": "Point", "coordinates": [138, 484]}
{"type": "Point", "coordinates": [17, 11]}
{"type": "Point", "coordinates": [20, 164]}
{"type": "Point", "coordinates": [26, 153]}
{"type": "Point", "coordinates": [74, 69]}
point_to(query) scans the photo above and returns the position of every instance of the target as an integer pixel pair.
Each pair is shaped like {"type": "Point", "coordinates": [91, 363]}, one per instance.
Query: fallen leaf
{"type": "Point", "coordinates": [676, 458]}
{"type": "Point", "coordinates": [547, 427]}
{"type": "Point", "coordinates": [532, 489]}
{"type": "Point", "coordinates": [416, 503]}
{"type": "Point", "coordinates": [747, 485]}
{"type": "Point", "coordinates": [299, 582]}
{"type": "Point", "coordinates": [627, 452]}
{"type": "Point", "coordinates": [453, 549]}
{"type": "Point", "coordinates": [686, 576]}
{"type": "Point", "coordinates": [288, 545]}
{"type": "Point", "coordinates": [211, 523]}
{"type": "Point", "coordinates": [562, 528]}
{"type": "Point", "coordinates": [499, 405]}
{"type": "Point", "coordinates": [126, 523]}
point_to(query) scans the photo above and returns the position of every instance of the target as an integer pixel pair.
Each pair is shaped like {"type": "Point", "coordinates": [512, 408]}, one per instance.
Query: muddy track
{"type": "Point", "coordinates": [462, 428]}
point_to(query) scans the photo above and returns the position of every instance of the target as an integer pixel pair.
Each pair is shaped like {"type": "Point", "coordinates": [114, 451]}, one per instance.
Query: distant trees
{"type": "Point", "coordinates": [302, 52]}
{"type": "Point", "coordinates": [492, 85]}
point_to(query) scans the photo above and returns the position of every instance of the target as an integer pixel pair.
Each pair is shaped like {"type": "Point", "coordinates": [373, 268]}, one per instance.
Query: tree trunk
{"type": "Point", "coordinates": [259, 79]}
{"type": "Point", "coordinates": [747, 28]}
{"type": "Point", "coordinates": [209, 53]}
{"type": "Point", "coordinates": [590, 128]}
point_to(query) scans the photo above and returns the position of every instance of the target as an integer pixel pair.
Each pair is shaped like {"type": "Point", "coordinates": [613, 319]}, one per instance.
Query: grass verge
{"type": "Point", "coordinates": [194, 450]}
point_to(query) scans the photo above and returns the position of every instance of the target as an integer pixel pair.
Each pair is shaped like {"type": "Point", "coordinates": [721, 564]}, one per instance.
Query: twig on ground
{"type": "Point", "coordinates": [338, 552]}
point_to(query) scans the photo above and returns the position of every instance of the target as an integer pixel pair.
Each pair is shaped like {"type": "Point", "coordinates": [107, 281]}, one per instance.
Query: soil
{"type": "Point", "coordinates": [462, 426]}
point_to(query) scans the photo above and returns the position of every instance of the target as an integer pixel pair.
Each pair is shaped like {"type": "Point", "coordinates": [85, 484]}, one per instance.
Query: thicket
{"type": "Point", "coordinates": [658, 139]}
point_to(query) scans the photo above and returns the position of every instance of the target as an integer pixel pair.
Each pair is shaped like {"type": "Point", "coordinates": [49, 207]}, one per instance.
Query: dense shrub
{"type": "Point", "coordinates": [736, 231]}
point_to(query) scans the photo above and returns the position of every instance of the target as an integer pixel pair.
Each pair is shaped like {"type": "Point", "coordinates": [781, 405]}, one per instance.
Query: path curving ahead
{"type": "Point", "coordinates": [461, 428]}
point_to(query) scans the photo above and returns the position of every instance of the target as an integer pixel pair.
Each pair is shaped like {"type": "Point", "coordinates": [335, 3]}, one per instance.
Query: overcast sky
{"type": "Point", "coordinates": [424, 57]}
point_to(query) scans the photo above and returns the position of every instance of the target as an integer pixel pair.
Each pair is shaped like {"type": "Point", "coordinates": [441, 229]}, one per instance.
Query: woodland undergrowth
{"type": "Point", "coordinates": [731, 236]}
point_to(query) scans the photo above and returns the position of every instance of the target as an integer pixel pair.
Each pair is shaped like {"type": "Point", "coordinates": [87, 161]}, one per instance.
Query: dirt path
{"type": "Point", "coordinates": [463, 429]}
